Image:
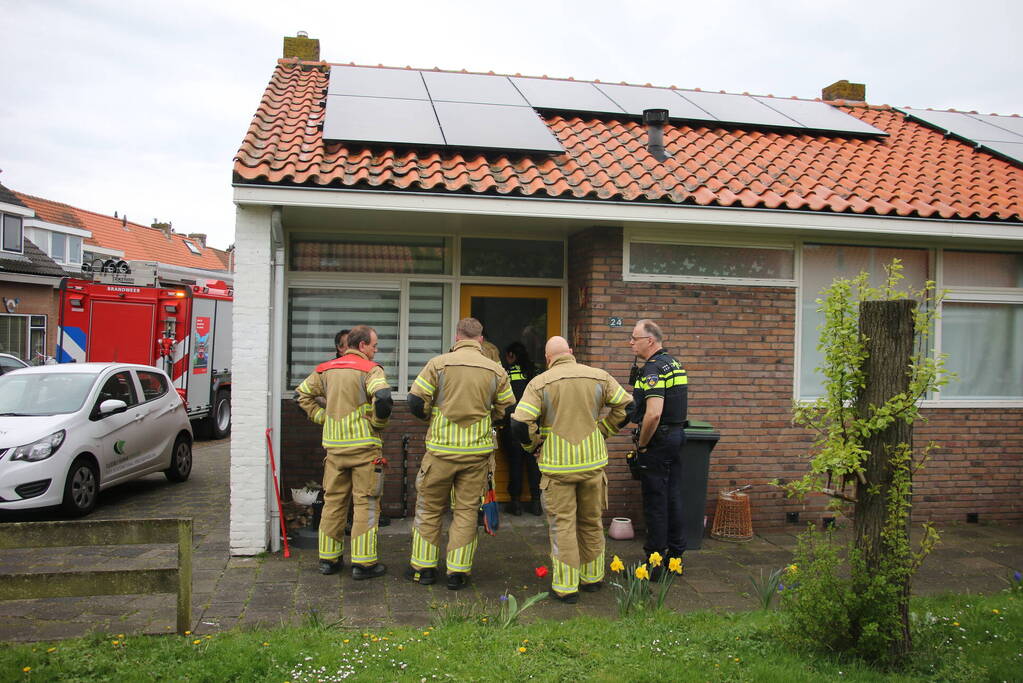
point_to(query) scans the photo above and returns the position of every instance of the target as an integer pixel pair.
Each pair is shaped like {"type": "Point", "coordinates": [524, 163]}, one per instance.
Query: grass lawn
{"type": "Point", "coordinates": [957, 638]}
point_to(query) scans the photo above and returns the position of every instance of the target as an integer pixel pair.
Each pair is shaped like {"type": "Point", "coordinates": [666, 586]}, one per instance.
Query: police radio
{"type": "Point", "coordinates": [633, 373]}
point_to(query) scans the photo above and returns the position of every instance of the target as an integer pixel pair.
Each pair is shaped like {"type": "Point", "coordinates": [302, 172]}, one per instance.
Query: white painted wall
{"type": "Point", "coordinates": [251, 381]}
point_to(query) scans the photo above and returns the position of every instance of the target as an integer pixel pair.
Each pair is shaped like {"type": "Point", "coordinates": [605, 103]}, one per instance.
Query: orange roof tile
{"type": "Point", "coordinates": [138, 242]}
{"type": "Point", "coordinates": [914, 171]}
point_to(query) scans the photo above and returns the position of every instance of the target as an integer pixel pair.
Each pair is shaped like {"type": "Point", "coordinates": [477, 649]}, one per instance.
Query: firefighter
{"type": "Point", "coordinates": [660, 392]}
{"type": "Point", "coordinates": [562, 406]}
{"type": "Point", "coordinates": [490, 350]}
{"type": "Point", "coordinates": [341, 343]}
{"type": "Point", "coordinates": [463, 395]}
{"type": "Point", "coordinates": [358, 405]}
{"type": "Point", "coordinates": [520, 370]}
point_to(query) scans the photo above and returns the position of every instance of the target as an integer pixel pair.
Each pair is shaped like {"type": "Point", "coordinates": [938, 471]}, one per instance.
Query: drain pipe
{"type": "Point", "coordinates": [655, 120]}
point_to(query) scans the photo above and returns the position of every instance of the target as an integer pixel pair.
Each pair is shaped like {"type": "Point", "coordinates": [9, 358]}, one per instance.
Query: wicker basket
{"type": "Point", "coordinates": [732, 521]}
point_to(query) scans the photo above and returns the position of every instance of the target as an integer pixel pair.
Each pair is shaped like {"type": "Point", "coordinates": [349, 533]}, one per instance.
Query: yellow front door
{"type": "Point", "coordinates": [529, 315]}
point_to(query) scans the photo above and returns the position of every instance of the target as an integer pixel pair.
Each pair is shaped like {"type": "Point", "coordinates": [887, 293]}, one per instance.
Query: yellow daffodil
{"type": "Point", "coordinates": [792, 569]}
{"type": "Point", "coordinates": [655, 559]}
{"type": "Point", "coordinates": [675, 565]}
{"type": "Point", "coordinates": [641, 572]}
{"type": "Point", "coordinates": [616, 564]}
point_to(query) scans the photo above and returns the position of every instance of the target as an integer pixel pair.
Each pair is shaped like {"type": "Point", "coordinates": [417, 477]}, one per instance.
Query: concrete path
{"type": "Point", "coordinates": [270, 590]}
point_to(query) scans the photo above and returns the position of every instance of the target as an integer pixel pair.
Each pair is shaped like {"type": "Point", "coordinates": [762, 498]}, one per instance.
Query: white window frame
{"type": "Point", "coordinates": [630, 235]}
{"type": "Point", "coordinates": [29, 328]}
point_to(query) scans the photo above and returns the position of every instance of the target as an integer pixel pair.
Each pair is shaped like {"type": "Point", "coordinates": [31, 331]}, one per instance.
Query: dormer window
{"type": "Point", "coordinates": [12, 233]}
{"type": "Point", "coordinates": [192, 248]}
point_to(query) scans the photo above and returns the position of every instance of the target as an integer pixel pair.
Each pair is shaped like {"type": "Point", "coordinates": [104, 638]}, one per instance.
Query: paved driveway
{"type": "Point", "coordinates": [269, 590]}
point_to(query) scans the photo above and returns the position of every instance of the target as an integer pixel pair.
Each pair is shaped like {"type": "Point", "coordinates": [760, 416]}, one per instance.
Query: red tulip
{"type": "Point", "coordinates": [541, 571]}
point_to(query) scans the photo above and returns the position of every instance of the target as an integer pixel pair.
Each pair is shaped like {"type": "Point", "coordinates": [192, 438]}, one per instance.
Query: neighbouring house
{"type": "Point", "coordinates": [406, 199]}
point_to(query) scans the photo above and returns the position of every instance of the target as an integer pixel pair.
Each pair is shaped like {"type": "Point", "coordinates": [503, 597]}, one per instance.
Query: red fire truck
{"type": "Point", "coordinates": [133, 317]}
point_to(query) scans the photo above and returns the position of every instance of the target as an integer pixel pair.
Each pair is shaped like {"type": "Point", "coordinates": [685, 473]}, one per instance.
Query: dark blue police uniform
{"type": "Point", "coordinates": [661, 462]}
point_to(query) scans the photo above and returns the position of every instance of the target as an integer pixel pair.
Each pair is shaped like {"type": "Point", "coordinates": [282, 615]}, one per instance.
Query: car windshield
{"type": "Point", "coordinates": [51, 393]}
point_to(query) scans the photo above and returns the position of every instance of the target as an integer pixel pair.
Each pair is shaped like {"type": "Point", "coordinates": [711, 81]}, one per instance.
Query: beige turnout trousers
{"type": "Point", "coordinates": [439, 476]}
{"type": "Point", "coordinates": [574, 503]}
{"type": "Point", "coordinates": [346, 477]}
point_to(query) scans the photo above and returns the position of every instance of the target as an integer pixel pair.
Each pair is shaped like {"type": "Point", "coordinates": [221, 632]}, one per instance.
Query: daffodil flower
{"type": "Point", "coordinates": [675, 565]}
{"type": "Point", "coordinates": [642, 573]}
{"type": "Point", "coordinates": [655, 559]}
{"type": "Point", "coordinates": [792, 569]}
{"type": "Point", "coordinates": [616, 564]}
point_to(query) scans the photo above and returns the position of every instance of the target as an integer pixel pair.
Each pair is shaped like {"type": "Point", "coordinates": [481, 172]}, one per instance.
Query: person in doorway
{"type": "Point", "coordinates": [462, 394]}
{"type": "Point", "coordinates": [490, 350]}
{"type": "Point", "coordinates": [341, 343]}
{"type": "Point", "coordinates": [660, 393]}
{"type": "Point", "coordinates": [520, 370]}
{"type": "Point", "coordinates": [563, 405]}
{"type": "Point", "coordinates": [358, 405]}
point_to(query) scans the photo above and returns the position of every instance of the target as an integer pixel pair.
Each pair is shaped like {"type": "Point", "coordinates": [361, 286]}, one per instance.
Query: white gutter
{"type": "Point", "coordinates": [56, 227]}
{"type": "Point", "coordinates": [622, 212]}
{"type": "Point", "coordinates": [276, 368]}
{"type": "Point", "coordinates": [17, 210]}
{"type": "Point", "coordinates": [52, 280]}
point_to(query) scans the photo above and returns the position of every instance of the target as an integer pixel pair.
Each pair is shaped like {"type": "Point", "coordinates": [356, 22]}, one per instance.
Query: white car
{"type": "Point", "coordinates": [69, 431]}
{"type": "Point", "coordinates": [9, 362]}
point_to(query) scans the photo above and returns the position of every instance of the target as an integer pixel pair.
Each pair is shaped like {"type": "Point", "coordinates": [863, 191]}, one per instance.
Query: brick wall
{"type": "Point", "coordinates": [35, 299]}
{"type": "Point", "coordinates": [737, 344]}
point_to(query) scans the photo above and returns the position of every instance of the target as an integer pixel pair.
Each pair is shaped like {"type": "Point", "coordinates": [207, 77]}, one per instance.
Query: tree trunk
{"type": "Point", "coordinates": [888, 327]}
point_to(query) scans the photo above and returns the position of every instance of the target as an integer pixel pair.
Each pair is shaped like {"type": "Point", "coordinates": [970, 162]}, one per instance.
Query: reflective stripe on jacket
{"type": "Point", "coordinates": [348, 419]}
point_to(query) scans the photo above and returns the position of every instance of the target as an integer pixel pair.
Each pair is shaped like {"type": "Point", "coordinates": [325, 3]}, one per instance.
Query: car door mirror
{"type": "Point", "coordinates": [112, 406]}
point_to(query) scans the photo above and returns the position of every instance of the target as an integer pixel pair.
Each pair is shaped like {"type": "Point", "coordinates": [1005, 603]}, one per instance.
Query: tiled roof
{"type": "Point", "coordinates": [32, 262]}
{"type": "Point", "coordinates": [138, 242]}
{"type": "Point", "coordinates": [914, 171]}
{"type": "Point", "coordinates": [8, 197]}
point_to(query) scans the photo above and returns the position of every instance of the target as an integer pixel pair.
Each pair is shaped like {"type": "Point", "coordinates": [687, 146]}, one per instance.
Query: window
{"type": "Point", "coordinates": [982, 325]}
{"type": "Point", "coordinates": [192, 248]}
{"type": "Point", "coordinates": [58, 247]}
{"type": "Point", "coordinates": [698, 263]}
{"type": "Point", "coordinates": [372, 254]}
{"type": "Point", "coordinates": [23, 336]}
{"type": "Point", "coordinates": [154, 385]}
{"type": "Point", "coordinates": [513, 258]}
{"type": "Point", "coordinates": [118, 387]}
{"type": "Point", "coordinates": [12, 233]}
{"type": "Point", "coordinates": [822, 264]}
{"type": "Point", "coordinates": [427, 326]}
{"type": "Point", "coordinates": [74, 249]}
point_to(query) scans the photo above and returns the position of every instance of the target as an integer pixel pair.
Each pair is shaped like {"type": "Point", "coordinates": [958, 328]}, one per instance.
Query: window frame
{"type": "Point", "coordinates": [3, 232]}
{"type": "Point", "coordinates": [29, 329]}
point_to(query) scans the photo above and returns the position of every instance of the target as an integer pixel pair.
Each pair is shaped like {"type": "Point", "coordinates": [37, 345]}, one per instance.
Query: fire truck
{"type": "Point", "coordinates": [128, 314]}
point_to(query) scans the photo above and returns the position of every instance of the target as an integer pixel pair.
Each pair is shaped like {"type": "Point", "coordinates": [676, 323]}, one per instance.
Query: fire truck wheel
{"type": "Point", "coordinates": [220, 416]}
{"type": "Point", "coordinates": [81, 490]}
{"type": "Point", "coordinates": [181, 460]}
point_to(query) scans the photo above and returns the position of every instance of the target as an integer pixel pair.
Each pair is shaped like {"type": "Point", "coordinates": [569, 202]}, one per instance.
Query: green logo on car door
{"type": "Point", "coordinates": [119, 448]}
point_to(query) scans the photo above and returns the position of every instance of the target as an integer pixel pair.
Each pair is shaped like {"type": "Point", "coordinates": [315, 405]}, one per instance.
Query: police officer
{"type": "Point", "coordinates": [358, 405]}
{"type": "Point", "coordinates": [520, 370]}
{"type": "Point", "coordinates": [660, 393]}
{"type": "Point", "coordinates": [563, 406]}
{"type": "Point", "coordinates": [463, 395]}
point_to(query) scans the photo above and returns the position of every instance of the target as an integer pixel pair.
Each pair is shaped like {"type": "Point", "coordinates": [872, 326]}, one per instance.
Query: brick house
{"type": "Point", "coordinates": [555, 212]}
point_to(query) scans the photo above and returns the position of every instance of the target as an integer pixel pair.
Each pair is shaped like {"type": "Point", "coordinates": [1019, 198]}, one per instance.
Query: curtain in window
{"type": "Point", "coordinates": [984, 343]}
{"type": "Point", "coordinates": [316, 315]}
{"type": "Point", "coordinates": [13, 335]}
{"type": "Point", "coordinates": [428, 322]}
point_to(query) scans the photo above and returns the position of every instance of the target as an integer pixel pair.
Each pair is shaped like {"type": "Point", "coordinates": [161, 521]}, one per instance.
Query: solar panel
{"type": "Point", "coordinates": [964, 125]}
{"type": "Point", "coordinates": [1013, 123]}
{"type": "Point", "coordinates": [633, 99]}
{"type": "Point", "coordinates": [1014, 150]}
{"type": "Point", "coordinates": [738, 109]}
{"type": "Point", "coordinates": [580, 96]}
{"type": "Point", "coordinates": [495, 127]}
{"type": "Point", "coordinates": [455, 87]}
{"type": "Point", "coordinates": [377, 82]}
{"type": "Point", "coordinates": [818, 115]}
{"type": "Point", "coordinates": [380, 119]}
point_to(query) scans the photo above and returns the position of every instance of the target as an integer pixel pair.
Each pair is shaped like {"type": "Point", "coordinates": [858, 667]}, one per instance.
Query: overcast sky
{"type": "Point", "coordinates": [139, 107]}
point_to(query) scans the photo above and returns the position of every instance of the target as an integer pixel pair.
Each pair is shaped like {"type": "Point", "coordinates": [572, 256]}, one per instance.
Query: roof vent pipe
{"type": "Point", "coordinates": [655, 120]}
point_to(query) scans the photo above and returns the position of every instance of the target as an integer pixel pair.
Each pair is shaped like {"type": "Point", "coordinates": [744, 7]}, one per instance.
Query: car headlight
{"type": "Point", "coordinates": [39, 450]}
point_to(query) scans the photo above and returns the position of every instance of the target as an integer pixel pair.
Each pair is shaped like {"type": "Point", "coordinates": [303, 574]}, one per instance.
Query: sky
{"type": "Point", "coordinates": [139, 107]}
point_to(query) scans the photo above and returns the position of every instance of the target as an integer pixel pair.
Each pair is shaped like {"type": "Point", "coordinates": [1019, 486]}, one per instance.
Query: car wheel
{"type": "Point", "coordinates": [181, 460]}
{"type": "Point", "coordinates": [81, 490]}
{"type": "Point", "coordinates": [220, 416]}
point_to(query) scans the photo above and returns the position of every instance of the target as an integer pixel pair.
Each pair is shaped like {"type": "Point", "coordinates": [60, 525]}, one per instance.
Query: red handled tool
{"type": "Point", "coordinates": [277, 492]}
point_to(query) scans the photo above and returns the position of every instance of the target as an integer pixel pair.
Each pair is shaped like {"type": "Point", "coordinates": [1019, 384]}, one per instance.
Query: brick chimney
{"type": "Point", "coordinates": [199, 237]}
{"type": "Point", "coordinates": [165, 228]}
{"type": "Point", "coordinates": [844, 90]}
{"type": "Point", "coordinates": [302, 46]}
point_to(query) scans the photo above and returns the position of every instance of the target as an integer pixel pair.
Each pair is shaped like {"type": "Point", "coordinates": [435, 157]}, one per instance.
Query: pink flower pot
{"type": "Point", "coordinates": [621, 529]}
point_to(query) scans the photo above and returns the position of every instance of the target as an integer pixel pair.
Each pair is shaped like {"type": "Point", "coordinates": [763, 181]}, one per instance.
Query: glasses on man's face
{"type": "Point", "coordinates": [634, 338]}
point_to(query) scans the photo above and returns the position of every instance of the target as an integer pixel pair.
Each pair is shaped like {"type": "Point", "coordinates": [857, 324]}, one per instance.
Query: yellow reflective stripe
{"type": "Point", "coordinates": [378, 382]}
{"type": "Point", "coordinates": [559, 455]}
{"type": "Point", "coordinates": [320, 416]}
{"type": "Point", "coordinates": [564, 579]}
{"type": "Point", "coordinates": [592, 571]}
{"type": "Point", "coordinates": [425, 386]}
{"type": "Point", "coordinates": [528, 408]}
{"type": "Point", "coordinates": [351, 430]}
{"type": "Point", "coordinates": [516, 374]}
{"type": "Point", "coordinates": [505, 395]}
{"type": "Point", "coordinates": [304, 388]}
{"type": "Point", "coordinates": [425, 555]}
{"type": "Point", "coordinates": [364, 547]}
{"type": "Point", "coordinates": [460, 559]}
{"type": "Point", "coordinates": [329, 548]}
{"type": "Point", "coordinates": [619, 395]}
{"type": "Point", "coordinates": [445, 436]}
{"type": "Point", "coordinates": [608, 426]}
